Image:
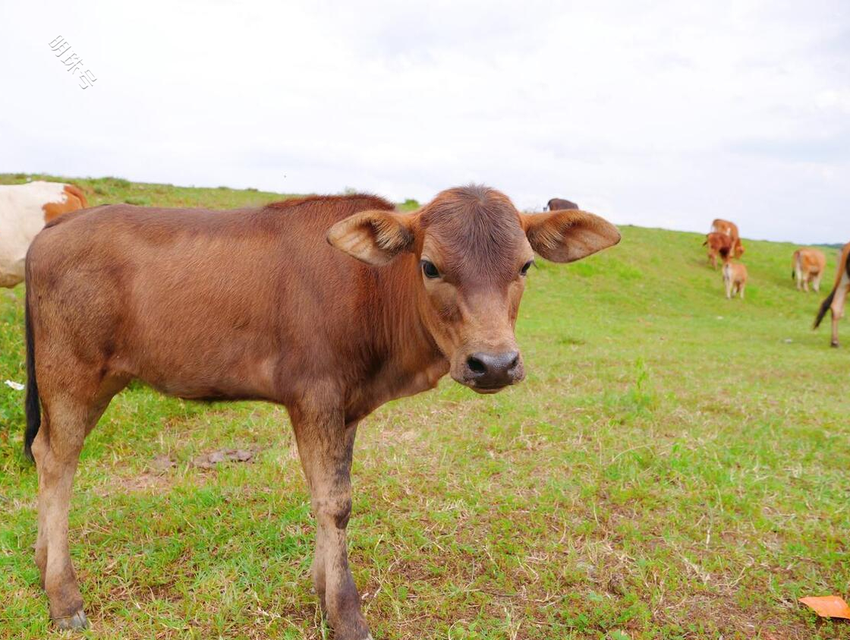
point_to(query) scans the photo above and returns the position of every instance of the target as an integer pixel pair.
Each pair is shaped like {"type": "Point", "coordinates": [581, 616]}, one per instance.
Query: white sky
{"type": "Point", "coordinates": [657, 113]}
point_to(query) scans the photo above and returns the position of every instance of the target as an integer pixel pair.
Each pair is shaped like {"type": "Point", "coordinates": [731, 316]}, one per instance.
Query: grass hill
{"type": "Point", "coordinates": [675, 466]}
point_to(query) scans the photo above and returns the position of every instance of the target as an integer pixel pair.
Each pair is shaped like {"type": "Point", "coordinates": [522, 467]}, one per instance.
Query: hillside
{"type": "Point", "coordinates": [675, 466]}
{"type": "Point", "coordinates": [114, 190]}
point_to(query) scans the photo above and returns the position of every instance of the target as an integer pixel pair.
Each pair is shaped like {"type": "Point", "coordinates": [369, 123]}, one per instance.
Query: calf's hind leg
{"type": "Point", "coordinates": [837, 306]}
{"type": "Point", "coordinates": [66, 422]}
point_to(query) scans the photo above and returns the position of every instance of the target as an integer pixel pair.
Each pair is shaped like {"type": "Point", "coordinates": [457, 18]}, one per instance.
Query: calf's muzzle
{"type": "Point", "coordinates": [489, 372]}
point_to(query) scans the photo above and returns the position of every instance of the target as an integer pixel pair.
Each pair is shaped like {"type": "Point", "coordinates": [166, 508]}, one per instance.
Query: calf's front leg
{"type": "Point", "coordinates": [325, 445]}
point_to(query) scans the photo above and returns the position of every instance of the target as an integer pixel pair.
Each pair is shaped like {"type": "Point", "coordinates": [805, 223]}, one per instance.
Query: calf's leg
{"type": "Point", "coordinates": [837, 308]}
{"type": "Point", "coordinates": [325, 445]}
{"type": "Point", "coordinates": [56, 450]}
{"type": "Point", "coordinates": [71, 411]}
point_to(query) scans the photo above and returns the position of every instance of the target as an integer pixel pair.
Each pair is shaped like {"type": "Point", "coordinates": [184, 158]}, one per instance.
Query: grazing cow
{"type": "Point", "coordinates": [729, 229]}
{"type": "Point", "coordinates": [835, 300]}
{"type": "Point", "coordinates": [715, 242]}
{"type": "Point", "coordinates": [559, 204]}
{"type": "Point", "coordinates": [808, 268]}
{"type": "Point", "coordinates": [330, 306]}
{"type": "Point", "coordinates": [24, 210]}
{"type": "Point", "coordinates": [734, 275]}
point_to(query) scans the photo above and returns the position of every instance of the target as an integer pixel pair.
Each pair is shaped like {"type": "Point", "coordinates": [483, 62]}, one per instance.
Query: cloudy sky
{"type": "Point", "coordinates": [659, 113]}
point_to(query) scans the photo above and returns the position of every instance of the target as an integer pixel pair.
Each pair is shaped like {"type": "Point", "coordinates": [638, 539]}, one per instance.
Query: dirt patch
{"type": "Point", "coordinates": [145, 481]}
{"type": "Point", "coordinates": [162, 463]}
{"type": "Point", "coordinates": [213, 458]}
{"type": "Point", "coordinates": [162, 471]}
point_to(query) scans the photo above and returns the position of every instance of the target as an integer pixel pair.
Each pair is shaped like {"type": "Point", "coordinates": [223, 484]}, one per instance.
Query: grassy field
{"type": "Point", "coordinates": [675, 466]}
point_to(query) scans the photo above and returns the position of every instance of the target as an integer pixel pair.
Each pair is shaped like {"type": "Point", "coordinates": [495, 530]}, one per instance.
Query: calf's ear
{"type": "Point", "coordinates": [373, 237]}
{"type": "Point", "coordinates": [568, 235]}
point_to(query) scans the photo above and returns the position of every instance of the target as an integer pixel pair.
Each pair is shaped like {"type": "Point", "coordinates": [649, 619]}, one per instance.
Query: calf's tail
{"type": "Point", "coordinates": [824, 307]}
{"type": "Point", "coordinates": [32, 402]}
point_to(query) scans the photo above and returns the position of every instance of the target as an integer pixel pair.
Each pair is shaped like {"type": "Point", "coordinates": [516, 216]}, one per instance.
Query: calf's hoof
{"type": "Point", "coordinates": [75, 622]}
{"type": "Point", "coordinates": [357, 631]}
{"type": "Point", "coordinates": [834, 343]}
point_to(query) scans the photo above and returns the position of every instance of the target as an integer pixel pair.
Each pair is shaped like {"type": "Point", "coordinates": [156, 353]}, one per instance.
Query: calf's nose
{"type": "Point", "coordinates": [493, 369]}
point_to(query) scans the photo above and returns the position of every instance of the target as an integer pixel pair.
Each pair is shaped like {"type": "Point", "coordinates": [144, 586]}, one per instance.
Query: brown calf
{"type": "Point", "coordinates": [808, 268]}
{"type": "Point", "coordinates": [264, 304]}
{"type": "Point", "coordinates": [559, 204]}
{"type": "Point", "coordinates": [734, 275]}
{"type": "Point", "coordinates": [729, 229]}
{"type": "Point", "coordinates": [715, 242]}
{"type": "Point", "coordinates": [835, 300]}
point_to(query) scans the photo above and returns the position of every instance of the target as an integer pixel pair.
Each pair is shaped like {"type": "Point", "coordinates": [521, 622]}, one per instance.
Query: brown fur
{"type": "Point", "coordinates": [837, 297]}
{"type": "Point", "coordinates": [729, 229]}
{"type": "Point", "coordinates": [808, 268]}
{"type": "Point", "coordinates": [715, 242]}
{"type": "Point", "coordinates": [734, 275]}
{"type": "Point", "coordinates": [560, 204]}
{"type": "Point", "coordinates": [354, 200]}
{"type": "Point", "coordinates": [75, 199]}
{"type": "Point", "coordinates": [255, 304]}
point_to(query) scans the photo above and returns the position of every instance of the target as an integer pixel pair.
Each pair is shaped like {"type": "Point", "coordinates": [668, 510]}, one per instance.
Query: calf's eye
{"type": "Point", "coordinates": [526, 267]}
{"type": "Point", "coordinates": [430, 270]}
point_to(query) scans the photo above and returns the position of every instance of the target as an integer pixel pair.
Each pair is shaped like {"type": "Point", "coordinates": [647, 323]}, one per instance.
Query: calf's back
{"type": "Point", "coordinates": [206, 304]}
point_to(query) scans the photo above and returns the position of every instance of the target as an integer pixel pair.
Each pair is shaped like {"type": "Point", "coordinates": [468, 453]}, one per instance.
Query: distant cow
{"type": "Point", "coordinates": [329, 306]}
{"type": "Point", "coordinates": [730, 229]}
{"type": "Point", "coordinates": [559, 204]}
{"type": "Point", "coordinates": [715, 242]}
{"type": "Point", "coordinates": [835, 300]}
{"type": "Point", "coordinates": [734, 275]}
{"type": "Point", "coordinates": [808, 268]}
{"type": "Point", "coordinates": [24, 210]}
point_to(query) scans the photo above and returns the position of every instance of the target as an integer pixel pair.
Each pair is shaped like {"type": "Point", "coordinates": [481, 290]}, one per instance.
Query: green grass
{"type": "Point", "coordinates": [675, 466]}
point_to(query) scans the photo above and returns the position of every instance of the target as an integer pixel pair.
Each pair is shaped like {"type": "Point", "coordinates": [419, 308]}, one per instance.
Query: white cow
{"type": "Point", "coordinates": [24, 210]}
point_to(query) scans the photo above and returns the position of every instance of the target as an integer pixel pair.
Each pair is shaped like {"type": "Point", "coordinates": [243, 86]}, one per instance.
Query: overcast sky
{"type": "Point", "coordinates": [657, 113]}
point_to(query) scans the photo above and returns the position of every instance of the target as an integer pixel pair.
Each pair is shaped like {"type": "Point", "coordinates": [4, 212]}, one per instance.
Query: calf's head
{"type": "Point", "coordinates": [469, 252]}
{"type": "Point", "coordinates": [739, 250]}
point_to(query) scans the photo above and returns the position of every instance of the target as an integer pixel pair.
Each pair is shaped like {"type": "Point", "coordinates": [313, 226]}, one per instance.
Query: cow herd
{"type": "Point", "coordinates": [808, 267]}
{"type": "Point", "coordinates": [328, 305]}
